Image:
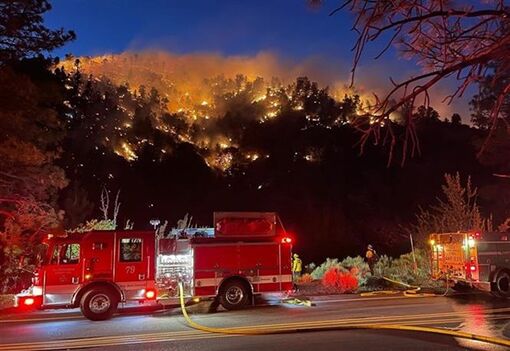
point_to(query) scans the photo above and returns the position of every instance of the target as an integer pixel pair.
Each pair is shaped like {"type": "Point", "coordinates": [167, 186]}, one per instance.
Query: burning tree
{"type": "Point", "coordinates": [447, 39]}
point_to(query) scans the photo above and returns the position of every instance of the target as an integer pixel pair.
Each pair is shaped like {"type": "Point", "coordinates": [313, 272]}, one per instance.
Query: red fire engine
{"type": "Point", "coordinates": [473, 259]}
{"type": "Point", "coordinates": [248, 254]}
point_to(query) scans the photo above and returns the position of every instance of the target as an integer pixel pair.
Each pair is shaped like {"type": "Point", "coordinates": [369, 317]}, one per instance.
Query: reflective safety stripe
{"type": "Point", "coordinates": [263, 279]}
{"type": "Point", "coordinates": [132, 285]}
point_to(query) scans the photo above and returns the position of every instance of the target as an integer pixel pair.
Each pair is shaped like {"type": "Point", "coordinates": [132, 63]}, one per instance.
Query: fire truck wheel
{"type": "Point", "coordinates": [503, 284]}
{"type": "Point", "coordinates": [234, 295]}
{"type": "Point", "coordinates": [98, 304]}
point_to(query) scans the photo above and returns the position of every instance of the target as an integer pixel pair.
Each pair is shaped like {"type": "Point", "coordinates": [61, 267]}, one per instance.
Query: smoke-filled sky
{"type": "Point", "coordinates": [291, 31]}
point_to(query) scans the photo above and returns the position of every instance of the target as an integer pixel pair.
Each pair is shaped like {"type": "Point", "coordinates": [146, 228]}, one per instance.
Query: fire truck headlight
{"type": "Point", "coordinates": [29, 301]}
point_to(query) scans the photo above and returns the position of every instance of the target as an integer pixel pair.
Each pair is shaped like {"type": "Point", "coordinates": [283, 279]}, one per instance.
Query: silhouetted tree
{"type": "Point", "coordinates": [489, 96]}
{"type": "Point", "coordinates": [456, 119]}
{"type": "Point", "coordinates": [31, 130]}
{"type": "Point", "coordinates": [426, 112]}
{"type": "Point", "coordinates": [22, 32]}
{"type": "Point", "coordinates": [457, 210]}
{"type": "Point", "coordinates": [445, 39]}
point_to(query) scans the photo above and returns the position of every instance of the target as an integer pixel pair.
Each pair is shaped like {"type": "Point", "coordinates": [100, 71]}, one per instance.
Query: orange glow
{"type": "Point", "coordinates": [199, 89]}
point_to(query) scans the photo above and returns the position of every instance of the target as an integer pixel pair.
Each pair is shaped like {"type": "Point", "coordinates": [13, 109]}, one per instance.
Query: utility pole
{"type": "Point", "coordinates": [415, 266]}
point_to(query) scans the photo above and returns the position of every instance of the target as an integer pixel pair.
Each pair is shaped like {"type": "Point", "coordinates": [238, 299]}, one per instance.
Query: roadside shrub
{"type": "Point", "coordinates": [305, 279]}
{"type": "Point", "coordinates": [310, 267]}
{"type": "Point", "coordinates": [6, 301]}
{"type": "Point", "coordinates": [319, 271]}
{"type": "Point", "coordinates": [357, 266]}
{"type": "Point", "coordinates": [95, 224]}
{"type": "Point", "coordinates": [340, 280]}
{"type": "Point", "coordinates": [353, 273]}
{"type": "Point", "coordinates": [403, 268]}
{"type": "Point", "coordinates": [357, 261]}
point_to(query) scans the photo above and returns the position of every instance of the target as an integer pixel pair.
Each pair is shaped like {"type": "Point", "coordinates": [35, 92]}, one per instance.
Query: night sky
{"type": "Point", "coordinates": [290, 29]}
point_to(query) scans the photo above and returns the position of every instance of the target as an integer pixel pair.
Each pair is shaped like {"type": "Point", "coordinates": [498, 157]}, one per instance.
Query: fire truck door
{"type": "Point", "coordinates": [63, 275]}
{"type": "Point", "coordinates": [98, 258]}
{"type": "Point", "coordinates": [260, 263]}
{"type": "Point", "coordinates": [133, 264]}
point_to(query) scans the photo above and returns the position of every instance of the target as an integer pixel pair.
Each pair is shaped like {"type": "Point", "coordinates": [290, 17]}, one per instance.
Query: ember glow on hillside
{"type": "Point", "coordinates": [198, 90]}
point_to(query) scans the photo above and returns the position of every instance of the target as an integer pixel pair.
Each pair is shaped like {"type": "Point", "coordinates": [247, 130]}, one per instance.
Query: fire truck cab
{"type": "Point", "coordinates": [247, 255]}
{"type": "Point", "coordinates": [475, 259]}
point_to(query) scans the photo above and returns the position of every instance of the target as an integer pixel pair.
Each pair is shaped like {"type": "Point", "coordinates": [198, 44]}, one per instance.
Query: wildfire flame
{"type": "Point", "coordinates": [200, 90]}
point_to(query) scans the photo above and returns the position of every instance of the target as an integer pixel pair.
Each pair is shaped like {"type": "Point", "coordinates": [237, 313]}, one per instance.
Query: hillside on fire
{"type": "Point", "coordinates": [170, 142]}
{"type": "Point", "coordinates": [177, 139]}
{"type": "Point", "coordinates": [150, 135]}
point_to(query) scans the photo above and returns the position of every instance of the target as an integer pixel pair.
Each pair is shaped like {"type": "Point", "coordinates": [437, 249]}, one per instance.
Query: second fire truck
{"type": "Point", "coordinates": [474, 259]}
{"type": "Point", "coordinates": [247, 254]}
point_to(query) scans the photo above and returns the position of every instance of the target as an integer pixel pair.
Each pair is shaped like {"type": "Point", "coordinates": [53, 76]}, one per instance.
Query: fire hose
{"type": "Point", "coordinates": [335, 325]}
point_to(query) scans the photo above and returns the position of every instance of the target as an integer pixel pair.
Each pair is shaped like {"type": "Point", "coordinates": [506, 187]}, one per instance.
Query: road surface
{"type": "Point", "coordinates": [167, 330]}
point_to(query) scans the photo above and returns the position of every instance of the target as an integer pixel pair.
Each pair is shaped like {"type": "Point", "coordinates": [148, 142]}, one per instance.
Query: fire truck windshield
{"type": "Point", "coordinates": [65, 253]}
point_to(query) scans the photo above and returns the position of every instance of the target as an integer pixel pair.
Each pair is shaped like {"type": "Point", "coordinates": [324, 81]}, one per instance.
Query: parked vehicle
{"type": "Point", "coordinates": [246, 254]}
{"type": "Point", "coordinates": [473, 259]}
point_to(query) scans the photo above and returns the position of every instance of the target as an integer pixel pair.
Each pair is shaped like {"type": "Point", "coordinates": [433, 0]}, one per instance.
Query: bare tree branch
{"type": "Point", "coordinates": [116, 208]}
{"type": "Point", "coordinates": [105, 203]}
{"type": "Point", "coordinates": [446, 39]}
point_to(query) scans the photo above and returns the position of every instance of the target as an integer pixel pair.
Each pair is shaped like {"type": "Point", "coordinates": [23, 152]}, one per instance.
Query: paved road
{"type": "Point", "coordinates": [167, 330]}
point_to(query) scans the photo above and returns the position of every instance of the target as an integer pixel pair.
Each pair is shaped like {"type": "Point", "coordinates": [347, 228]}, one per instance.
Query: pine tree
{"type": "Point", "coordinates": [22, 33]}
{"type": "Point", "coordinates": [457, 210]}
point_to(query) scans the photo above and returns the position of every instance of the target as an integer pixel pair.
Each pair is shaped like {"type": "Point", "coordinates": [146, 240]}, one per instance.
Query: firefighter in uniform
{"type": "Point", "coordinates": [296, 267]}
{"type": "Point", "coordinates": [371, 257]}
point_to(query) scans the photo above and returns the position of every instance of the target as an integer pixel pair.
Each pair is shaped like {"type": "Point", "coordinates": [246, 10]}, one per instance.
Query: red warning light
{"type": "Point", "coordinates": [286, 240]}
